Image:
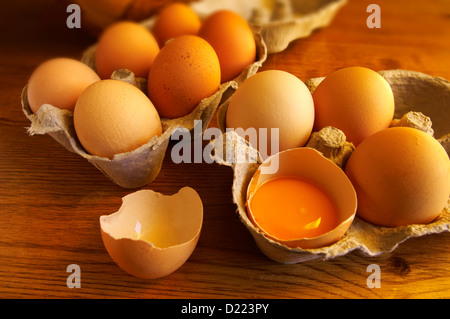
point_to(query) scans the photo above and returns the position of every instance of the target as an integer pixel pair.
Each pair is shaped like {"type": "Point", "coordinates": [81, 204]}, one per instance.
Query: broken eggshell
{"type": "Point", "coordinates": [142, 165]}
{"type": "Point", "coordinates": [309, 164]}
{"type": "Point", "coordinates": [420, 99]}
{"type": "Point", "coordinates": [152, 235]}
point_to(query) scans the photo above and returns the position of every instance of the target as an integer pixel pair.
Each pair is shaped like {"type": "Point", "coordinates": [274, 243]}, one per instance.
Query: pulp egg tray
{"type": "Point", "coordinates": [421, 101]}
{"type": "Point", "coordinates": [142, 165]}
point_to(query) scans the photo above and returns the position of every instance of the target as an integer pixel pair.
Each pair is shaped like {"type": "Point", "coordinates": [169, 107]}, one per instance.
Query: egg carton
{"type": "Point", "coordinates": [142, 165]}
{"type": "Point", "coordinates": [421, 101]}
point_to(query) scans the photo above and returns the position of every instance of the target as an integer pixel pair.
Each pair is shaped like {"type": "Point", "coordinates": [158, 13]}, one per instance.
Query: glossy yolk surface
{"type": "Point", "coordinates": [290, 208]}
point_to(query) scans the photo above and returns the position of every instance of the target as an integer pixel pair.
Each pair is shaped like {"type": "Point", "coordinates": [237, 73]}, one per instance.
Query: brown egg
{"type": "Point", "coordinates": [98, 14]}
{"type": "Point", "coordinates": [268, 100]}
{"type": "Point", "coordinates": [401, 176]}
{"type": "Point", "coordinates": [113, 117]}
{"type": "Point", "coordinates": [59, 82]}
{"type": "Point", "coordinates": [185, 71]}
{"type": "Point", "coordinates": [173, 20]}
{"type": "Point", "coordinates": [125, 45]}
{"type": "Point", "coordinates": [233, 41]}
{"type": "Point", "coordinates": [356, 100]}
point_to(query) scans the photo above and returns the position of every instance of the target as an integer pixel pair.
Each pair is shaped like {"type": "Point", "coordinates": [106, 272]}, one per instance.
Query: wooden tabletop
{"type": "Point", "coordinates": [51, 199]}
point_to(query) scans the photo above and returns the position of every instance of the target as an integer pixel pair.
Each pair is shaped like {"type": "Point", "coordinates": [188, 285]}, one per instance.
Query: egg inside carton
{"type": "Point", "coordinates": [142, 165]}
{"type": "Point", "coordinates": [421, 102]}
{"type": "Point", "coordinates": [285, 21]}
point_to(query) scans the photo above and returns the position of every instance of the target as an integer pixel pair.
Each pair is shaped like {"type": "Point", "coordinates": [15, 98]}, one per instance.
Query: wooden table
{"type": "Point", "coordinates": [51, 200]}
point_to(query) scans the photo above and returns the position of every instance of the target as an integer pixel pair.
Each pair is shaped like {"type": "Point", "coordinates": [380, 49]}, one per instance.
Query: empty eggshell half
{"type": "Point", "coordinates": [152, 235]}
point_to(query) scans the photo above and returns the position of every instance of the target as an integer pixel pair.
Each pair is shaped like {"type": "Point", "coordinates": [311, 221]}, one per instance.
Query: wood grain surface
{"type": "Point", "coordinates": [51, 200]}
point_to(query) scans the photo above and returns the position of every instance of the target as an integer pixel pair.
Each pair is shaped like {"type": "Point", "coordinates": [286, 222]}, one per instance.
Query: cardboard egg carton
{"type": "Point", "coordinates": [142, 165]}
{"type": "Point", "coordinates": [421, 101]}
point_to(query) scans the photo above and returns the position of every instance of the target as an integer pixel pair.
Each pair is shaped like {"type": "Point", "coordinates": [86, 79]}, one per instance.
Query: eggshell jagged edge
{"type": "Point", "coordinates": [413, 91]}
{"type": "Point", "coordinates": [139, 257]}
{"type": "Point", "coordinates": [142, 165]}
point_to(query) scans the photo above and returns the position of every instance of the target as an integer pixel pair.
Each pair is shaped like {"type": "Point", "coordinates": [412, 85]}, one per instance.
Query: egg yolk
{"type": "Point", "coordinates": [289, 208]}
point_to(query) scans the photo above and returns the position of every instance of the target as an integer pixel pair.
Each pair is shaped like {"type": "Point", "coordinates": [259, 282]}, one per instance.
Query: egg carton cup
{"type": "Point", "coordinates": [282, 21]}
{"type": "Point", "coordinates": [421, 102]}
{"type": "Point", "coordinates": [131, 169]}
{"type": "Point", "coordinates": [141, 166]}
